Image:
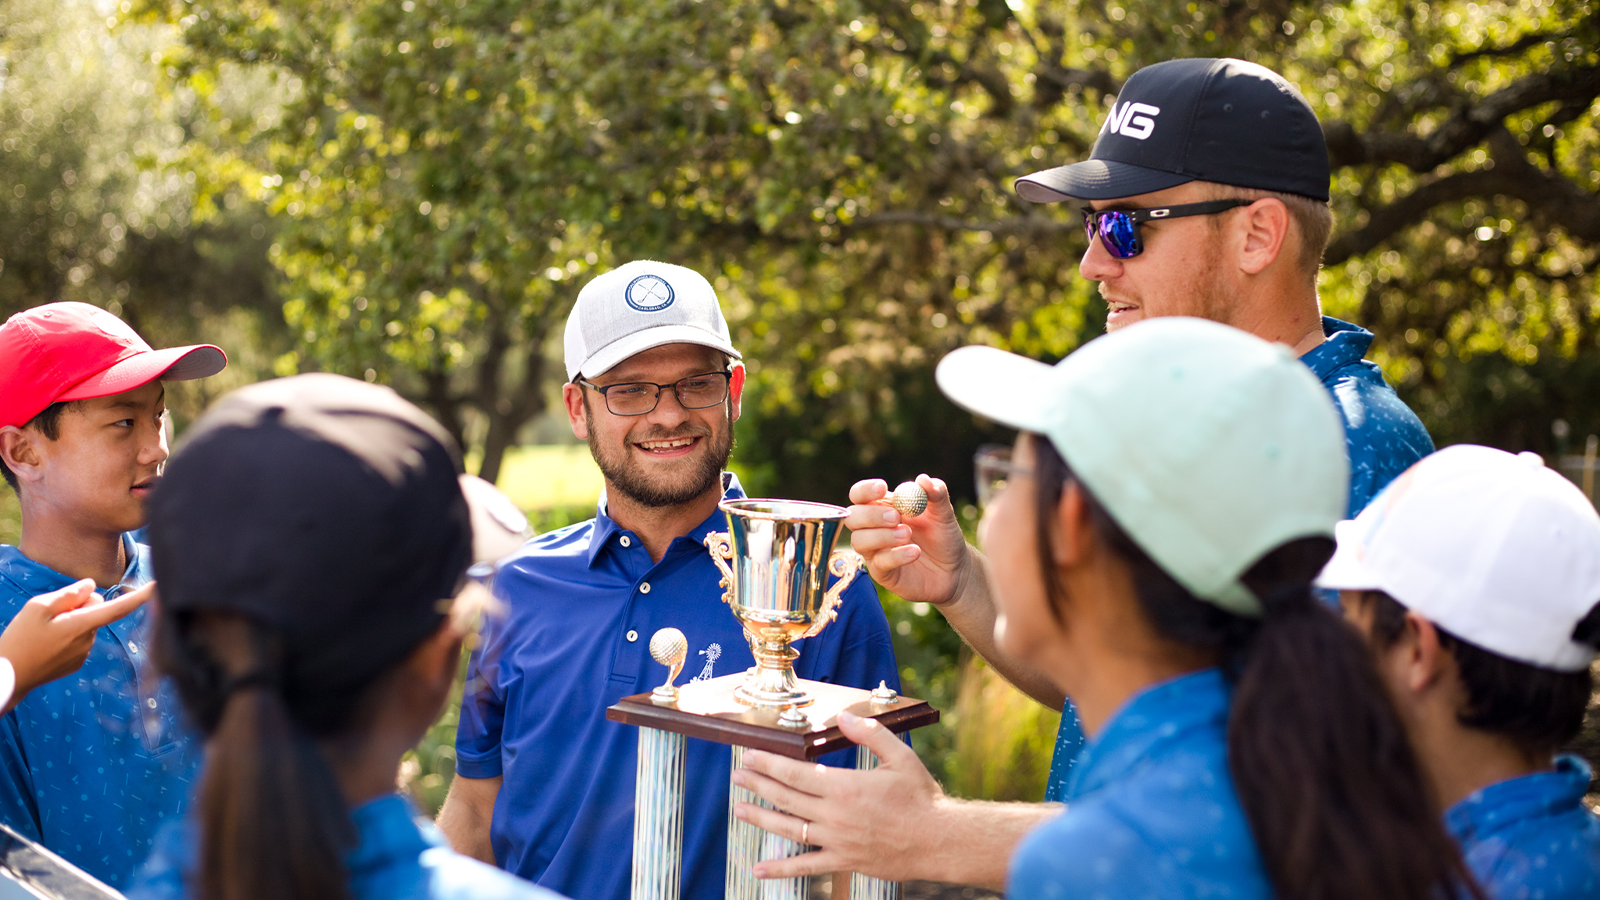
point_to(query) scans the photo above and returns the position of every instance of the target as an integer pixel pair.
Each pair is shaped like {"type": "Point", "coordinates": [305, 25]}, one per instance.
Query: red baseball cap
{"type": "Point", "coordinates": [74, 351]}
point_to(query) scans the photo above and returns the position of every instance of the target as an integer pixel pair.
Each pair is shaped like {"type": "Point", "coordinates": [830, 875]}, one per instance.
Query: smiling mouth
{"type": "Point", "coordinates": [147, 484]}
{"type": "Point", "coordinates": [666, 446]}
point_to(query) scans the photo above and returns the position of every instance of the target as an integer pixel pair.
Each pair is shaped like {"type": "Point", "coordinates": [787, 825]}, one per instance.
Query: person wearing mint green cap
{"type": "Point", "coordinates": [1476, 580]}
{"type": "Point", "coordinates": [1153, 541]}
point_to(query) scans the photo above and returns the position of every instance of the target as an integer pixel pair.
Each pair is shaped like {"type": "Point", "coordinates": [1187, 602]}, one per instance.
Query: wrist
{"type": "Point", "coordinates": [971, 579]}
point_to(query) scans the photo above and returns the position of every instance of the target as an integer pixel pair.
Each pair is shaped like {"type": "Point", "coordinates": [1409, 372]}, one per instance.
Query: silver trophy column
{"type": "Point", "coordinates": [862, 887]}
{"type": "Point", "coordinates": [658, 791]}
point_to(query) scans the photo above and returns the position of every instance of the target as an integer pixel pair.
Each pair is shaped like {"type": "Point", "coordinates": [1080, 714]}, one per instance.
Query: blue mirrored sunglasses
{"type": "Point", "coordinates": [1118, 229]}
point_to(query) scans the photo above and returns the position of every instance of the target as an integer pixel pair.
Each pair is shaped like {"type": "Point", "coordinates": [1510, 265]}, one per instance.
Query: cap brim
{"type": "Point", "coordinates": [997, 385]}
{"type": "Point", "coordinates": [1094, 179]}
{"type": "Point", "coordinates": [602, 360]}
{"type": "Point", "coordinates": [1346, 571]}
{"type": "Point", "coordinates": [172, 364]}
{"type": "Point", "coordinates": [498, 527]}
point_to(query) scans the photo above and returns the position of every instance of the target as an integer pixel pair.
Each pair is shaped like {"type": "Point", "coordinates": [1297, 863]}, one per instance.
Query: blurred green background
{"type": "Point", "coordinates": [412, 192]}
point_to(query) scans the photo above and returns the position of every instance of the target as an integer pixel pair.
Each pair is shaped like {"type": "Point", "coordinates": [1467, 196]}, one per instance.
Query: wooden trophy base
{"type": "Point", "coordinates": [708, 710]}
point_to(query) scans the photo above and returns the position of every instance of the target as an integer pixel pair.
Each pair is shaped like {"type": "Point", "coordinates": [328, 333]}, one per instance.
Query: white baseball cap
{"type": "Point", "coordinates": [1494, 548]}
{"type": "Point", "coordinates": [639, 305]}
{"type": "Point", "coordinates": [1208, 445]}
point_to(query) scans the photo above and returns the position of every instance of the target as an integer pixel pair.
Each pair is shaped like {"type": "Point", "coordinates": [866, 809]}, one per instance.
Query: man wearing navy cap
{"type": "Point", "coordinates": [544, 784]}
{"type": "Point", "coordinates": [1206, 195]}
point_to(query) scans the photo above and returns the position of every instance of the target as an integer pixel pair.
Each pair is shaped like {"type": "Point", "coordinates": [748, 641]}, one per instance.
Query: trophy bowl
{"type": "Point", "coordinates": [775, 559]}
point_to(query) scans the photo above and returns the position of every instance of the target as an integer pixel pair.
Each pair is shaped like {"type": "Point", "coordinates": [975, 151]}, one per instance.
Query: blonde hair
{"type": "Point", "coordinates": [1313, 219]}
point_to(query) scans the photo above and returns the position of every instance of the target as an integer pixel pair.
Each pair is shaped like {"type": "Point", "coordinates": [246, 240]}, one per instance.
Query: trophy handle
{"type": "Point", "coordinates": [722, 553]}
{"type": "Point", "coordinates": [845, 564]}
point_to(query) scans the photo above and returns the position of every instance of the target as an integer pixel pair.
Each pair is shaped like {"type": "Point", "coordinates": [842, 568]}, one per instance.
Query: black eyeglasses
{"type": "Point", "coordinates": [635, 398]}
{"type": "Point", "coordinates": [992, 469]}
{"type": "Point", "coordinates": [1118, 229]}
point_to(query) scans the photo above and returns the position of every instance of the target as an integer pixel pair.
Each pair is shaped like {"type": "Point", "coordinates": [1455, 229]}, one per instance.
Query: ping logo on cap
{"type": "Point", "coordinates": [1135, 120]}
{"type": "Point", "coordinates": [649, 293]}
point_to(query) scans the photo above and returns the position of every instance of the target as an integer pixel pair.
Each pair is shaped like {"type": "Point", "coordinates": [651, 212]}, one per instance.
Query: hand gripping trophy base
{"type": "Point", "coordinates": [771, 684]}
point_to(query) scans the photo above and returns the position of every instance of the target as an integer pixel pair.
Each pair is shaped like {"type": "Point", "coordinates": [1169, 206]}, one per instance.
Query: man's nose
{"type": "Point", "coordinates": [1098, 264]}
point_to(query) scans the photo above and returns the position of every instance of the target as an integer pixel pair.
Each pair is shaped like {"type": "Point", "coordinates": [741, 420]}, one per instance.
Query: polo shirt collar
{"type": "Point", "coordinates": [1516, 800]}
{"type": "Point", "coordinates": [1345, 344]}
{"type": "Point", "coordinates": [1168, 712]}
{"type": "Point", "coordinates": [606, 528]}
{"type": "Point", "coordinates": [35, 578]}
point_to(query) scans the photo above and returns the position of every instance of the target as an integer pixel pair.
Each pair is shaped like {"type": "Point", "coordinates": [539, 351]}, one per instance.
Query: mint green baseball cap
{"type": "Point", "coordinates": [1208, 445]}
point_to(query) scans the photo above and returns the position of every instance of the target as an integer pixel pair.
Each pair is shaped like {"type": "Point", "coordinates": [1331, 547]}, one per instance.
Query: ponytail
{"type": "Point", "coordinates": [273, 822]}
{"type": "Point", "coordinates": [1322, 765]}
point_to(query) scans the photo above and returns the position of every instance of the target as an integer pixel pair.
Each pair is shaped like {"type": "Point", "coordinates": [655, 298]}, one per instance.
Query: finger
{"type": "Point", "coordinates": [886, 745]}
{"type": "Point", "coordinates": [883, 562]}
{"type": "Point", "coordinates": [863, 492]}
{"type": "Point", "coordinates": [781, 795]}
{"type": "Point", "coordinates": [70, 597]}
{"type": "Point", "coordinates": [808, 777]}
{"type": "Point", "coordinates": [91, 617]}
{"type": "Point", "coordinates": [871, 540]}
{"type": "Point", "coordinates": [779, 823]}
{"type": "Point", "coordinates": [871, 516]}
{"type": "Point", "coordinates": [817, 862]}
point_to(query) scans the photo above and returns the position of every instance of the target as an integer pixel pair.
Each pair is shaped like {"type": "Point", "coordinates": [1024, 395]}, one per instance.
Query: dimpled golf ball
{"type": "Point", "coordinates": [668, 646]}
{"type": "Point", "coordinates": [909, 499]}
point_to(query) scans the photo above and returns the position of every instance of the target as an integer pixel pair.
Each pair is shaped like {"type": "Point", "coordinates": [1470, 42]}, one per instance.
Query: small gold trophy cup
{"type": "Point", "coordinates": [775, 559]}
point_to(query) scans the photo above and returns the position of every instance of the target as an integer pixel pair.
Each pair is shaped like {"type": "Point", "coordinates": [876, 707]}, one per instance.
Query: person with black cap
{"type": "Point", "coordinates": [1206, 195]}
{"type": "Point", "coordinates": [312, 538]}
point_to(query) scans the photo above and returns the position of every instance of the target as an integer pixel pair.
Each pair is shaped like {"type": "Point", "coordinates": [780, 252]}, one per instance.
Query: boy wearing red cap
{"type": "Point", "coordinates": [91, 764]}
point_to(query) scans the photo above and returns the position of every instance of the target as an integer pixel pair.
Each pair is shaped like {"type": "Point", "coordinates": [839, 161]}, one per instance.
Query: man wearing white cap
{"type": "Point", "coordinates": [545, 784]}
{"type": "Point", "coordinates": [1476, 580]}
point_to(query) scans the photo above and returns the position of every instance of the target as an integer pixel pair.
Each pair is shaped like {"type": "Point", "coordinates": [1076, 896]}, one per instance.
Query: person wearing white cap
{"type": "Point", "coordinates": [1476, 579]}
{"type": "Point", "coordinates": [1154, 538]}
{"type": "Point", "coordinates": [544, 784]}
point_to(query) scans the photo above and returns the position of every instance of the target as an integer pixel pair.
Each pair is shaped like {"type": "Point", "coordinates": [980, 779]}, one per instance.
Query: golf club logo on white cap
{"type": "Point", "coordinates": [649, 293]}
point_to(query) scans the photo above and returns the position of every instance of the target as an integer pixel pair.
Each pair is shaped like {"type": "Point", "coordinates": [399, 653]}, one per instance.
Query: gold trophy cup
{"type": "Point", "coordinates": [775, 559]}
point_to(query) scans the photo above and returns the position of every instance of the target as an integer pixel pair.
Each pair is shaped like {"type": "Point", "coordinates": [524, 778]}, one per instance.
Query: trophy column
{"type": "Point", "coordinates": [861, 886]}
{"type": "Point", "coordinates": [658, 816]}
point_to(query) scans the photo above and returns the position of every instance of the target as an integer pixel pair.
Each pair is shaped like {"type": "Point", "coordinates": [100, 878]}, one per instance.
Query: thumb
{"type": "Point", "coordinates": [884, 744]}
{"type": "Point", "coordinates": [71, 597]}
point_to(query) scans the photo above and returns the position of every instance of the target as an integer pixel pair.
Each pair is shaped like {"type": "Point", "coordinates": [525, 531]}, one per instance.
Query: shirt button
{"type": "Point", "coordinates": [632, 636]}
{"type": "Point", "coordinates": [626, 541]}
{"type": "Point", "coordinates": [644, 588]}
{"type": "Point", "coordinates": [133, 647]}
{"type": "Point", "coordinates": [151, 703]}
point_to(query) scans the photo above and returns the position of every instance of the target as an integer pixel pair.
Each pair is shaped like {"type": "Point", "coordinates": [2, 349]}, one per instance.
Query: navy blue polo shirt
{"type": "Point", "coordinates": [1532, 837]}
{"type": "Point", "coordinates": [1151, 808]}
{"type": "Point", "coordinates": [398, 856]}
{"type": "Point", "coordinates": [91, 765]}
{"type": "Point", "coordinates": [582, 603]}
{"type": "Point", "coordinates": [1383, 436]}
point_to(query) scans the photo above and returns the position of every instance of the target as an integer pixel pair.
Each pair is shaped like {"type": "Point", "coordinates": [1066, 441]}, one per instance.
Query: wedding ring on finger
{"type": "Point", "coordinates": [805, 833]}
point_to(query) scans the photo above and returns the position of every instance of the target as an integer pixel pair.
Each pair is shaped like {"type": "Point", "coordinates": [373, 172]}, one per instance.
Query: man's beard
{"type": "Point", "coordinates": [698, 477]}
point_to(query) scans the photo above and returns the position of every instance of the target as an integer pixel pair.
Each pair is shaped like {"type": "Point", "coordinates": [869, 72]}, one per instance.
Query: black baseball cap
{"type": "Point", "coordinates": [1221, 120]}
{"type": "Point", "coordinates": [328, 509]}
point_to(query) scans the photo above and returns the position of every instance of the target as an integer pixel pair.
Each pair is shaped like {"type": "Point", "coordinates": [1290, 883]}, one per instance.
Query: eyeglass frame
{"type": "Point", "coordinates": [1092, 218]}
{"type": "Point", "coordinates": [727, 379]}
{"type": "Point", "coordinates": [995, 458]}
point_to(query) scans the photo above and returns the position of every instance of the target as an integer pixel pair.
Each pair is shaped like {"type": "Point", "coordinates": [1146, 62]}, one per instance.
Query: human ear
{"type": "Point", "coordinates": [19, 450]}
{"type": "Point", "coordinates": [1265, 227]}
{"type": "Point", "coordinates": [1074, 532]}
{"type": "Point", "coordinates": [1423, 658]}
{"type": "Point", "coordinates": [735, 389]}
{"type": "Point", "coordinates": [572, 396]}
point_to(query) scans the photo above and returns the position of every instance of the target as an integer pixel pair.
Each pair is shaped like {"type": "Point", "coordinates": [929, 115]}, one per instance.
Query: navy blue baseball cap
{"type": "Point", "coordinates": [1220, 120]}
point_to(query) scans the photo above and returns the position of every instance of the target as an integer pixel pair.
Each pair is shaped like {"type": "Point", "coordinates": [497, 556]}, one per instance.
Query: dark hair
{"type": "Point", "coordinates": [1537, 709]}
{"type": "Point", "coordinates": [47, 423]}
{"type": "Point", "coordinates": [273, 822]}
{"type": "Point", "coordinates": [1321, 762]}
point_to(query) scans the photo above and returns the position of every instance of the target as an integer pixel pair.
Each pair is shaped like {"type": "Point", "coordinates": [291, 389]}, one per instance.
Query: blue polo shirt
{"type": "Point", "coordinates": [582, 604]}
{"type": "Point", "coordinates": [91, 765]}
{"type": "Point", "coordinates": [1531, 838]}
{"type": "Point", "coordinates": [397, 857]}
{"type": "Point", "coordinates": [1383, 436]}
{"type": "Point", "coordinates": [1151, 808]}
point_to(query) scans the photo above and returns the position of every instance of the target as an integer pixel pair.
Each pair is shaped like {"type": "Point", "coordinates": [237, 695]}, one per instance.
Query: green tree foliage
{"type": "Point", "coordinates": [99, 205]}
{"type": "Point", "coordinates": [446, 172]}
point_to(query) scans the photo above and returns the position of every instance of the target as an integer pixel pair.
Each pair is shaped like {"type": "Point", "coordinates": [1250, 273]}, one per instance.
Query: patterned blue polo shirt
{"type": "Point", "coordinates": [91, 765]}
{"type": "Point", "coordinates": [582, 603]}
{"type": "Point", "coordinates": [1384, 438]}
{"type": "Point", "coordinates": [398, 857]}
{"type": "Point", "coordinates": [1531, 838]}
{"type": "Point", "coordinates": [1151, 809]}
